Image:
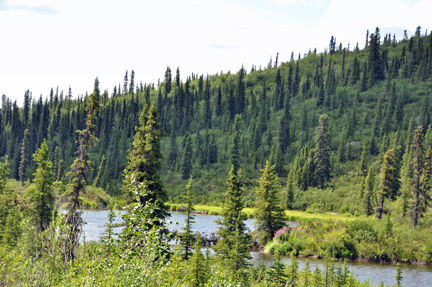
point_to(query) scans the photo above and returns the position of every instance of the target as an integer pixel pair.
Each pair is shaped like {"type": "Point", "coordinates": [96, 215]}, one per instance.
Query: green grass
{"type": "Point", "coordinates": [293, 215]}
{"type": "Point", "coordinates": [296, 215]}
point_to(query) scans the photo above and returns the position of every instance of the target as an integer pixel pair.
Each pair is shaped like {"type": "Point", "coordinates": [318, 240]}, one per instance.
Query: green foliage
{"type": "Point", "coordinates": [145, 233]}
{"type": "Point", "coordinates": [279, 108]}
{"type": "Point", "coordinates": [198, 271]}
{"type": "Point", "coordinates": [322, 151]}
{"type": "Point", "coordinates": [40, 192]}
{"type": "Point", "coordinates": [234, 242]}
{"type": "Point", "coordinates": [10, 228]}
{"type": "Point", "coordinates": [389, 182]}
{"type": "Point", "coordinates": [144, 162]}
{"type": "Point", "coordinates": [187, 237]}
{"type": "Point", "coordinates": [277, 272]}
{"type": "Point", "coordinates": [420, 184]}
{"type": "Point", "coordinates": [23, 162]}
{"type": "Point", "coordinates": [269, 212]}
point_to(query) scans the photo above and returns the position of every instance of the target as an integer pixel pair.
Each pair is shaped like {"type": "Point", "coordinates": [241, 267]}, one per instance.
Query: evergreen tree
{"type": "Point", "coordinates": [23, 162]}
{"type": "Point", "coordinates": [12, 229]}
{"type": "Point", "coordinates": [278, 99]}
{"type": "Point", "coordinates": [362, 164]}
{"type": "Point", "coordinates": [376, 72]}
{"type": "Point", "coordinates": [60, 171]}
{"type": "Point", "coordinates": [368, 192]}
{"type": "Point", "coordinates": [100, 170]}
{"type": "Point", "coordinates": [41, 190]}
{"type": "Point", "coordinates": [186, 160]}
{"type": "Point", "coordinates": [322, 151]}
{"type": "Point", "coordinates": [172, 157]}
{"type": "Point", "coordinates": [167, 81]}
{"type": "Point", "coordinates": [398, 276]}
{"type": "Point", "coordinates": [277, 272]}
{"type": "Point", "coordinates": [144, 162]}
{"type": "Point", "coordinates": [284, 127]}
{"type": "Point", "coordinates": [207, 110]}
{"type": "Point", "coordinates": [419, 203]}
{"type": "Point", "coordinates": [241, 92]}
{"type": "Point", "coordinates": [219, 110]}
{"type": "Point", "coordinates": [187, 235]}
{"type": "Point", "coordinates": [293, 271]}
{"type": "Point", "coordinates": [234, 241]}
{"type": "Point", "coordinates": [406, 175]}
{"type": "Point", "coordinates": [355, 75]}
{"type": "Point", "coordinates": [388, 180]}
{"type": "Point", "coordinates": [26, 108]}
{"type": "Point", "coordinates": [145, 234]}
{"type": "Point", "coordinates": [364, 79]}
{"type": "Point", "coordinates": [290, 189]}
{"type": "Point", "coordinates": [79, 171]}
{"type": "Point", "coordinates": [234, 149]}
{"type": "Point", "coordinates": [125, 84]}
{"type": "Point", "coordinates": [197, 266]}
{"type": "Point", "coordinates": [213, 151]}
{"type": "Point", "coordinates": [296, 82]}
{"type": "Point", "coordinates": [233, 245]}
{"type": "Point", "coordinates": [132, 83]}
{"type": "Point", "coordinates": [269, 213]}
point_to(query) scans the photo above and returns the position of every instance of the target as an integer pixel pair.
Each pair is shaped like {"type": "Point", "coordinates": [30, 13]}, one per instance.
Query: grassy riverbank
{"type": "Point", "coordinates": [391, 239]}
{"type": "Point", "coordinates": [292, 215]}
{"type": "Point", "coordinates": [319, 235]}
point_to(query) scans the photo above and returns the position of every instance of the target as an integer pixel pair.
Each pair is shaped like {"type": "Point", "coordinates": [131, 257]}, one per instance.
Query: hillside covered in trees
{"type": "Point", "coordinates": [344, 131]}
{"type": "Point", "coordinates": [374, 97]}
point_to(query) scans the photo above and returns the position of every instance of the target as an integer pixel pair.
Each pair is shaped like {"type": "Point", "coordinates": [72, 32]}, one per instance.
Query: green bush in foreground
{"type": "Point", "coordinates": [364, 238]}
{"type": "Point", "coordinates": [95, 267]}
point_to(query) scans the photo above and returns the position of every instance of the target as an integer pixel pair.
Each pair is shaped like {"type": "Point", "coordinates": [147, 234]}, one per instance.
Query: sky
{"type": "Point", "coordinates": [47, 44]}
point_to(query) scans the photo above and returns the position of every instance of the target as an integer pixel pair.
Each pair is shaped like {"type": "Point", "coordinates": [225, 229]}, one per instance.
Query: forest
{"type": "Point", "coordinates": [345, 131]}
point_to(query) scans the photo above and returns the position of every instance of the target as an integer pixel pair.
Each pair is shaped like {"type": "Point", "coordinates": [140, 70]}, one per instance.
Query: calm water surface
{"type": "Point", "coordinates": [413, 275]}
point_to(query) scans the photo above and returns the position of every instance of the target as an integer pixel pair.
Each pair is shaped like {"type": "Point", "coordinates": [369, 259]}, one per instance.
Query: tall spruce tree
{"type": "Point", "coordinates": [207, 110]}
{"type": "Point", "coordinates": [234, 149]}
{"type": "Point", "coordinates": [322, 151]}
{"type": "Point", "coordinates": [241, 92]}
{"type": "Point", "coordinates": [388, 180]}
{"type": "Point", "coordinates": [40, 192]}
{"type": "Point", "coordinates": [187, 237]}
{"type": "Point", "coordinates": [145, 234]}
{"type": "Point", "coordinates": [420, 195]}
{"type": "Point", "coordinates": [234, 242]}
{"type": "Point", "coordinates": [284, 127]}
{"type": "Point", "coordinates": [198, 270]}
{"type": "Point", "coordinates": [376, 72]}
{"type": "Point", "coordinates": [144, 162]}
{"type": "Point", "coordinates": [269, 213]}
{"type": "Point", "coordinates": [79, 171]}
{"type": "Point", "coordinates": [406, 175]}
{"type": "Point", "coordinates": [167, 81]}
{"type": "Point", "coordinates": [23, 162]}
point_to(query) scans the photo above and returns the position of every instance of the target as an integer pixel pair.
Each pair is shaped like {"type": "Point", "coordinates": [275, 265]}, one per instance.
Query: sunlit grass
{"type": "Point", "coordinates": [293, 215]}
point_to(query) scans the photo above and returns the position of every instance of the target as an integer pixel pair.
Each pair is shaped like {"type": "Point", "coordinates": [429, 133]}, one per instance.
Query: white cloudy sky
{"type": "Point", "coordinates": [50, 43]}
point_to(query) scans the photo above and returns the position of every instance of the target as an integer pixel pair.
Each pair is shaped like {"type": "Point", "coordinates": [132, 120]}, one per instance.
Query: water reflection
{"type": "Point", "coordinates": [413, 275]}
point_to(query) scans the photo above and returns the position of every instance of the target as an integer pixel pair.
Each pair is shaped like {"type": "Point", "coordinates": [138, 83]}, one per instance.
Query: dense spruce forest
{"type": "Point", "coordinates": [374, 96]}
{"type": "Point", "coordinates": [346, 131]}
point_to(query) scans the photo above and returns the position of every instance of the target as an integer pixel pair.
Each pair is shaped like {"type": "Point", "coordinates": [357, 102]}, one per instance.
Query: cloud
{"type": "Point", "coordinates": [40, 9]}
{"type": "Point", "coordinates": [221, 46]}
{"type": "Point", "coordinates": [307, 3]}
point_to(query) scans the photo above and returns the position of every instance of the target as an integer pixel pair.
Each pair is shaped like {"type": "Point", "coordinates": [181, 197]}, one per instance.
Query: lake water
{"type": "Point", "coordinates": [413, 275]}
